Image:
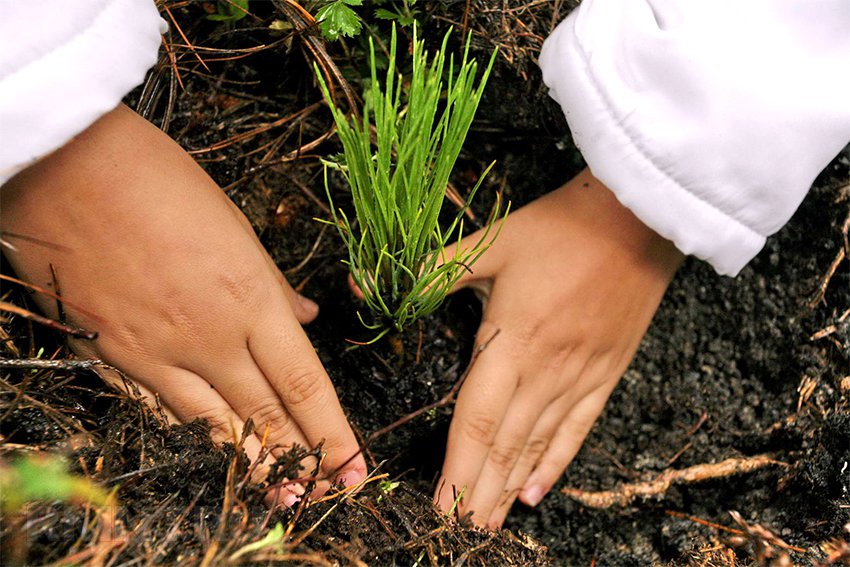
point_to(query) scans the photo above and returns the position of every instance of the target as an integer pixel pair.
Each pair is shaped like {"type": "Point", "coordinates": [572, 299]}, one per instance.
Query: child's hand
{"type": "Point", "coordinates": [188, 303]}
{"type": "Point", "coordinates": [573, 282]}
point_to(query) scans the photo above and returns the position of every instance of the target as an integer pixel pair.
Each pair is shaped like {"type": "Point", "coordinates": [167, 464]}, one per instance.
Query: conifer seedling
{"type": "Point", "coordinates": [397, 158]}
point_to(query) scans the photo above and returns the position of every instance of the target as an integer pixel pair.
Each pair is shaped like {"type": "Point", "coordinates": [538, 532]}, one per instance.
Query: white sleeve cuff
{"type": "Point", "coordinates": [709, 119]}
{"type": "Point", "coordinates": [62, 66]}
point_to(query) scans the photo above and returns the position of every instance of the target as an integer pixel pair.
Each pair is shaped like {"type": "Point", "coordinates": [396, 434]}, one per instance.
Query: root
{"type": "Point", "coordinates": [627, 493]}
{"type": "Point", "coordinates": [842, 254]}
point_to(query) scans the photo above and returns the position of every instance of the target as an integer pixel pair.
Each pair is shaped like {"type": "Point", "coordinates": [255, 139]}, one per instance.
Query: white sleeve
{"type": "Point", "coordinates": [709, 119]}
{"type": "Point", "coordinates": [63, 64]}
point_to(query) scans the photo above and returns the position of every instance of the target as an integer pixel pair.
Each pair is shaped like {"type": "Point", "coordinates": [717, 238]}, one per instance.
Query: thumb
{"type": "Point", "coordinates": [305, 310]}
{"type": "Point", "coordinates": [355, 289]}
{"type": "Point", "coordinates": [478, 274]}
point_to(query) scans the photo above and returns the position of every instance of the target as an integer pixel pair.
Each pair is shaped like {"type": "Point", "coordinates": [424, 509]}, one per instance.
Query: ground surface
{"type": "Point", "coordinates": [729, 368]}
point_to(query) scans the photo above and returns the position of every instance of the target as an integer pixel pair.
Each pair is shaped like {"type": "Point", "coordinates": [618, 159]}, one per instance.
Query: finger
{"type": "Point", "coordinates": [531, 420]}
{"type": "Point", "coordinates": [578, 377]}
{"type": "Point", "coordinates": [491, 485]}
{"type": "Point", "coordinates": [355, 289]}
{"type": "Point", "coordinates": [479, 413]}
{"type": "Point", "coordinates": [183, 395]}
{"type": "Point", "coordinates": [287, 359]}
{"type": "Point", "coordinates": [535, 447]}
{"type": "Point", "coordinates": [136, 390]}
{"type": "Point", "coordinates": [565, 444]}
{"type": "Point", "coordinates": [246, 389]}
{"type": "Point", "coordinates": [305, 310]}
{"type": "Point", "coordinates": [189, 397]}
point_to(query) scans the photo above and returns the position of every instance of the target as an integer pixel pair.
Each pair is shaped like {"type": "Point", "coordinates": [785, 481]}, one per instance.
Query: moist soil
{"type": "Point", "coordinates": [730, 368]}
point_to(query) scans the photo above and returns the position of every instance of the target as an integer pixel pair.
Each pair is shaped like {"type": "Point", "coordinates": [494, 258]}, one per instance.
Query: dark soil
{"type": "Point", "coordinates": [729, 367]}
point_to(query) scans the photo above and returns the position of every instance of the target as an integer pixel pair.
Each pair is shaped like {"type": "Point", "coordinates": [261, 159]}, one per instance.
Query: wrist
{"type": "Point", "coordinates": [586, 201]}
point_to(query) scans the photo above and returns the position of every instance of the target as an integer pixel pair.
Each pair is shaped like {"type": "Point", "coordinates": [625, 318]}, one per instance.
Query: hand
{"type": "Point", "coordinates": [186, 300]}
{"type": "Point", "coordinates": [571, 284]}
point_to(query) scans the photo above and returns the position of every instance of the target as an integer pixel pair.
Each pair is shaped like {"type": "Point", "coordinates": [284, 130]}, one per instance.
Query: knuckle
{"type": "Point", "coordinates": [534, 449]}
{"type": "Point", "coordinates": [178, 321]}
{"type": "Point", "coordinates": [338, 448]}
{"type": "Point", "coordinates": [503, 458]}
{"type": "Point", "coordinates": [222, 425]}
{"type": "Point", "coordinates": [303, 385]}
{"type": "Point", "coordinates": [239, 286]}
{"type": "Point", "coordinates": [480, 427]}
{"type": "Point", "coordinates": [560, 357]}
{"type": "Point", "coordinates": [272, 415]}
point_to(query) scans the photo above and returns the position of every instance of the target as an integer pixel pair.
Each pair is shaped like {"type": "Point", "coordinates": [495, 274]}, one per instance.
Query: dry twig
{"type": "Point", "coordinates": [833, 267]}
{"type": "Point", "coordinates": [763, 542]}
{"type": "Point", "coordinates": [55, 325]}
{"type": "Point", "coordinates": [40, 364]}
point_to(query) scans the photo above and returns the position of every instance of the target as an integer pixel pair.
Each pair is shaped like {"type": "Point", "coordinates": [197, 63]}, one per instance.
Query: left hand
{"type": "Point", "coordinates": [572, 283]}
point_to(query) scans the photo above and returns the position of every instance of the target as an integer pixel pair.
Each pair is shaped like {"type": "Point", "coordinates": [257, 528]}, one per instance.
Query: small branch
{"type": "Point", "coordinates": [56, 325]}
{"type": "Point", "coordinates": [222, 144]}
{"type": "Point", "coordinates": [454, 196]}
{"type": "Point", "coordinates": [38, 363]}
{"type": "Point", "coordinates": [295, 269]}
{"type": "Point", "coordinates": [762, 539]}
{"type": "Point", "coordinates": [53, 295]}
{"type": "Point", "coordinates": [702, 522]}
{"type": "Point", "coordinates": [307, 192]}
{"type": "Point", "coordinates": [5, 236]}
{"type": "Point", "coordinates": [304, 23]}
{"type": "Point", "coordinates": [627, 493]}
{"type": "Point", "coordinates": [833, 267]}
{"type": "Point", "coordinates": [830, 329]}
{"type": "Point", "coordinates": [60, 308]}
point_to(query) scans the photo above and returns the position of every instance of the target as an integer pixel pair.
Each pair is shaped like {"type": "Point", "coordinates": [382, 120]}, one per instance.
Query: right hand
{"type": "Point", "coordinates": [188, 303]}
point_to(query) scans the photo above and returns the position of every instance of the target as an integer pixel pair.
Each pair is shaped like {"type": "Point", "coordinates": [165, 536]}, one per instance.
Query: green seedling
{"type": "Point", "coordinates": [273, 539]}
{"type": "Point", "coordinates": [404, 13]}
{"type": "Point", "coordinates": [397, 162]}
{"type": "Point", "coordinates": [42, 478]}
{"type": "Point", "coordinates": [386, 487]}
{"type": "Point", "coordinates": [229, 11]}
{"type": "Point", "coordinates": [336, 19]}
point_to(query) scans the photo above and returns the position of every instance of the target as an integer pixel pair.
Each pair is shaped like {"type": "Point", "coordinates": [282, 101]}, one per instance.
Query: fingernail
{"type": "Point", "coordinates": [532, 495]}
{"type": "Point", "coordinates": [290, 499]}
{"type": "Point", "coordinates": [296, 488]}
{"type": "Point", "coordinates": [350, 478]}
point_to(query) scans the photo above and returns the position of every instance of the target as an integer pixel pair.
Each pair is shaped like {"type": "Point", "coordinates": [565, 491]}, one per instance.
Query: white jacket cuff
{"type": "Point", "coordinates": [709, 119]}
{"type": "Point", "coordinates": [64, 65]}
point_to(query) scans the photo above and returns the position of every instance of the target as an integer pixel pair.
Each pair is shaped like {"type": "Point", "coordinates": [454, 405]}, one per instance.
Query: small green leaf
{"type": "Point", "coordinates": [45, 478]}
{"type": "Point", "coordinates": [406, 21]}
{"type": "Point", "coordinates": [273, 538]}
{"type": "Point", "coordinates": [280, 25]}
{"type": "Point", "coordinates": [384, 14]}
{"type": "Point", "coordinates": [229, 11]}
{"type": "Point", "coordinates": [337, 19]}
